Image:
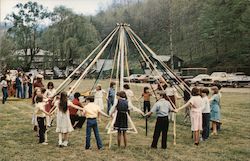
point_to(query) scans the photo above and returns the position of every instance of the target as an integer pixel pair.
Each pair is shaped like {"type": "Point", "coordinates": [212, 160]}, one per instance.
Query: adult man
{"type": "Point", "coordinates": [161, 108]}
{"type": "Point", "coordinates": [19, 86]}
{"type": "Point", "coordinates": [38, 82]}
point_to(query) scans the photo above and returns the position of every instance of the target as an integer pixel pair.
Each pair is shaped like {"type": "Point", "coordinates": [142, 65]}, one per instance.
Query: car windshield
{"type": "Point", "coordinates": [201, 76]}
{"type": "Point", "coordinates": [218, 74]}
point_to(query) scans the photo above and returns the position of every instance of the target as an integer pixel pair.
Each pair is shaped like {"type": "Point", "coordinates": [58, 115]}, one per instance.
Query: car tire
{"type": "Point", "coordinates": [235, 85]}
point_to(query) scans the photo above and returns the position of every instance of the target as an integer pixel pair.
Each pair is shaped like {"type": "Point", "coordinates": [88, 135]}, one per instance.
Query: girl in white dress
{"type": "Point", "coordinates": [173, 95]}
{"type": "Point", "coordinates": [63, 124]}
{"type": "Point", "coordinates": [98, 93]}
{"type": "Point", "coordinates": [49, 94]}
{"type": "Point", "coordinates": [129, 92]}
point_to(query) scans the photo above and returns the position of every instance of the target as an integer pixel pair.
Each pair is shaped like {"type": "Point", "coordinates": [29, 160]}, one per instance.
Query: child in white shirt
{"type": "Point", "coordinates": [41, 117]}
{"type": "Point", "coordinates": [98, 93]}
{"type": "Point", "coordinates": [4, 89]}
{"type": "Point", "coordinates": [205, 114]}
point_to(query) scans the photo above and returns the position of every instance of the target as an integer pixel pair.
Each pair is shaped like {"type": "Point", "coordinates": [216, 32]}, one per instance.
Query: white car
{"type": "Point", "coordinates": [132, 78]}
{"type": "Point", "coordinates": [239, 79]}
{"type": "Point", "coordinates": [216, 78]}
{"type": "Point", "coordinates": [197, 79]}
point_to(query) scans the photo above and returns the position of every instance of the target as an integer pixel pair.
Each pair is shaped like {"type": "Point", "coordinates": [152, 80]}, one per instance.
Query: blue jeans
{"type": "Point", "coordinates": [5, 94]}
{"type": "Point", "coordinates": [30, 90]}
{"type": "Point", "coordinates": [205, 125]}
{"type": "Point", "coordinates": [19, 91]}
{"type": "Point", "coordinates": [24, 91]}
{"type": "Point", "coordinates": [110, 104]}
{"type": "Point", "coordinates": [92, 123]}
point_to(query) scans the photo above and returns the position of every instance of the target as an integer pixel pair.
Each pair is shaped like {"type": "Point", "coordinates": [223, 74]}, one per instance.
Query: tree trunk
{"type": "Point", "coordinates": [217, 51]}
{"type": "Point", "coordinates": [190, 56]}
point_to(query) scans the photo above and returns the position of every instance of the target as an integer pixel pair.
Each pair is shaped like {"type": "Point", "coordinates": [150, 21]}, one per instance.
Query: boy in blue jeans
{"type": "Point", "coordinates": [92, 112]}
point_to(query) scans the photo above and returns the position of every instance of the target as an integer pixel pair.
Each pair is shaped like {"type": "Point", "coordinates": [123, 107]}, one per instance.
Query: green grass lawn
{"type": "Point", "coordinates": [19, 142]}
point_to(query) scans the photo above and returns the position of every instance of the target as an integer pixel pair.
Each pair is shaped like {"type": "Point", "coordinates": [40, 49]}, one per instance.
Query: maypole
{"type": "Point", "coordinates": [84, 61]}
{"type": "Point", "coordinates": [92, 63]}
{"type": "Point", "coordinates": [122, 37]}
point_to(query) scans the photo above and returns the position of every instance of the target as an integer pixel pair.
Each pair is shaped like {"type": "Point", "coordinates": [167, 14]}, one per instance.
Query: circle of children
{"type": "Point", "coordinates": [71, 112]}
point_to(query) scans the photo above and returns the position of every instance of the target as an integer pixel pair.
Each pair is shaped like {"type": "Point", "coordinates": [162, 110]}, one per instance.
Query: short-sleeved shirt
{"type": "Point", "coordinates": [4, 83]}
{"type": "Point", "coordinates": [8, 77]}
{"type": "Point", "coordinates": [146, 96]}
{"type": "Point", "coordinates": [206, 105]}
{"type": "Point", "coordinates": [39, 107]}
{"type": "Point", "coordinates": [161, 108]}
{"type": "Point", "coordinates": [92, 110]}
{"type": "Point", "coordinates": [50, 93]}
{"type": "Point", "coordinates": [129, 94]}
{"type": "Point", "coordinates": [99, 94]}
{"type": "Point", "coordinates": [197, 103]}
{"type": "Point", "coordinates": [38, 84]}
{"type": "Point", "coordinates": [73, 111]}
{"type": "Point", "coordinates": [111, 93]}
{"type": "Point", "coordinates": [170, 91]}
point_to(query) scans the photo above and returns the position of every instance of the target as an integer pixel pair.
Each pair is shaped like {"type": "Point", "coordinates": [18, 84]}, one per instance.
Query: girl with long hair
{"type": "Point", "coordinates": [64, 126]}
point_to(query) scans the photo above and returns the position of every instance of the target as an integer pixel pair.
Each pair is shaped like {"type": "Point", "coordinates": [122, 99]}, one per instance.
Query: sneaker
{"type": "Point", "coordinates": [60, 144]}
{"type": "Point", "coordinates": [65, 143]}
{"type": "Point", "coordinates": [35, 128]}
{"type": "Point", "coordinates": [44, 143]}
{"type": "Point", "coordinates": [102, 148]}
{"type": "Point", "coordinates": [213, 133]}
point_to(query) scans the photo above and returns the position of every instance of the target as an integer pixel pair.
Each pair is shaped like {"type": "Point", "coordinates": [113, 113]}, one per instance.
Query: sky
{"type": "Point", "coordinates": [87, 7]}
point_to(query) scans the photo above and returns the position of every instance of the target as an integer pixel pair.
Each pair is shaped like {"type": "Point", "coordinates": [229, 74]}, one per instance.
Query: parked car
{"type": "Point", "coordinates": [239, 79]}
{"type": "Point", "coordinates": [58, 73]}
{"type": "Point", "coordinates": [48, 74]}
{"type": "Point", "coordinates": [133, 78]}
{"type": "Point", "coordinates": [153, 79]}
{"type": "Point", "coordinates": [216, 78]}
{"type": "Point", "coordinates": [197, 79]}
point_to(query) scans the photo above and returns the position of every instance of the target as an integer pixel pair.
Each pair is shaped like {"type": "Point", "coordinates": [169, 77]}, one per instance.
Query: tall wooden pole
{"type": "Point", "coordinates": [1, 11]}
{"type": "Point", "coordinates": [172, 60]}
{"type": "Point", "coordinates": [122, 39]}
{"type": "Point", "coordinates": [171, 35]}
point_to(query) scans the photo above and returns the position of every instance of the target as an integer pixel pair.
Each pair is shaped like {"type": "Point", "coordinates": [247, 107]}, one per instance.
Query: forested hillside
{"type": "Point", "coordinates": [208, 33]}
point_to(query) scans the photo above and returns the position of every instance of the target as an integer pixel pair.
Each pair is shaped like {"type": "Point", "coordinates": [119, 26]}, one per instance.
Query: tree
{"type": "Point", "coordinates": [70, 37]}
{"type": "Point", "coordinates": [25, 28]}
{"type": "Point", "coordinates": [209, 33]}
{"type": "Point", "coordinates": [6, 48]}
{"type": "Point", "coordinates": [225, 25]}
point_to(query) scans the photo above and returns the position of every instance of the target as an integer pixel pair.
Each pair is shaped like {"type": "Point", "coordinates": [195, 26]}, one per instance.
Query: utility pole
{"type": "Point", "coordinates": [53, 56]}
{"type": "Point", "coordinates": [171, 35]}
{"type": "Point", "coordinates": [0, 11]}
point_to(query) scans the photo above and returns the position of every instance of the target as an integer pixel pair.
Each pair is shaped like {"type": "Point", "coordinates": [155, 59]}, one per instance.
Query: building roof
{"type": "Point", "coordinates": [40, 53]}
{"type": "Point", "coordinates": [166, 58]}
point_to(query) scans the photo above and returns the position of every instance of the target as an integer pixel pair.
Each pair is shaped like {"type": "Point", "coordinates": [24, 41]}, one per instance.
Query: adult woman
{"type": "Point", "coordinates": [215, 109]}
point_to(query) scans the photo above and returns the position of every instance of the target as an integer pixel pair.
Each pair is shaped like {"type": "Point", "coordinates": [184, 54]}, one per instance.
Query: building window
{"type": "Point", "coordinates": [179, 64]}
